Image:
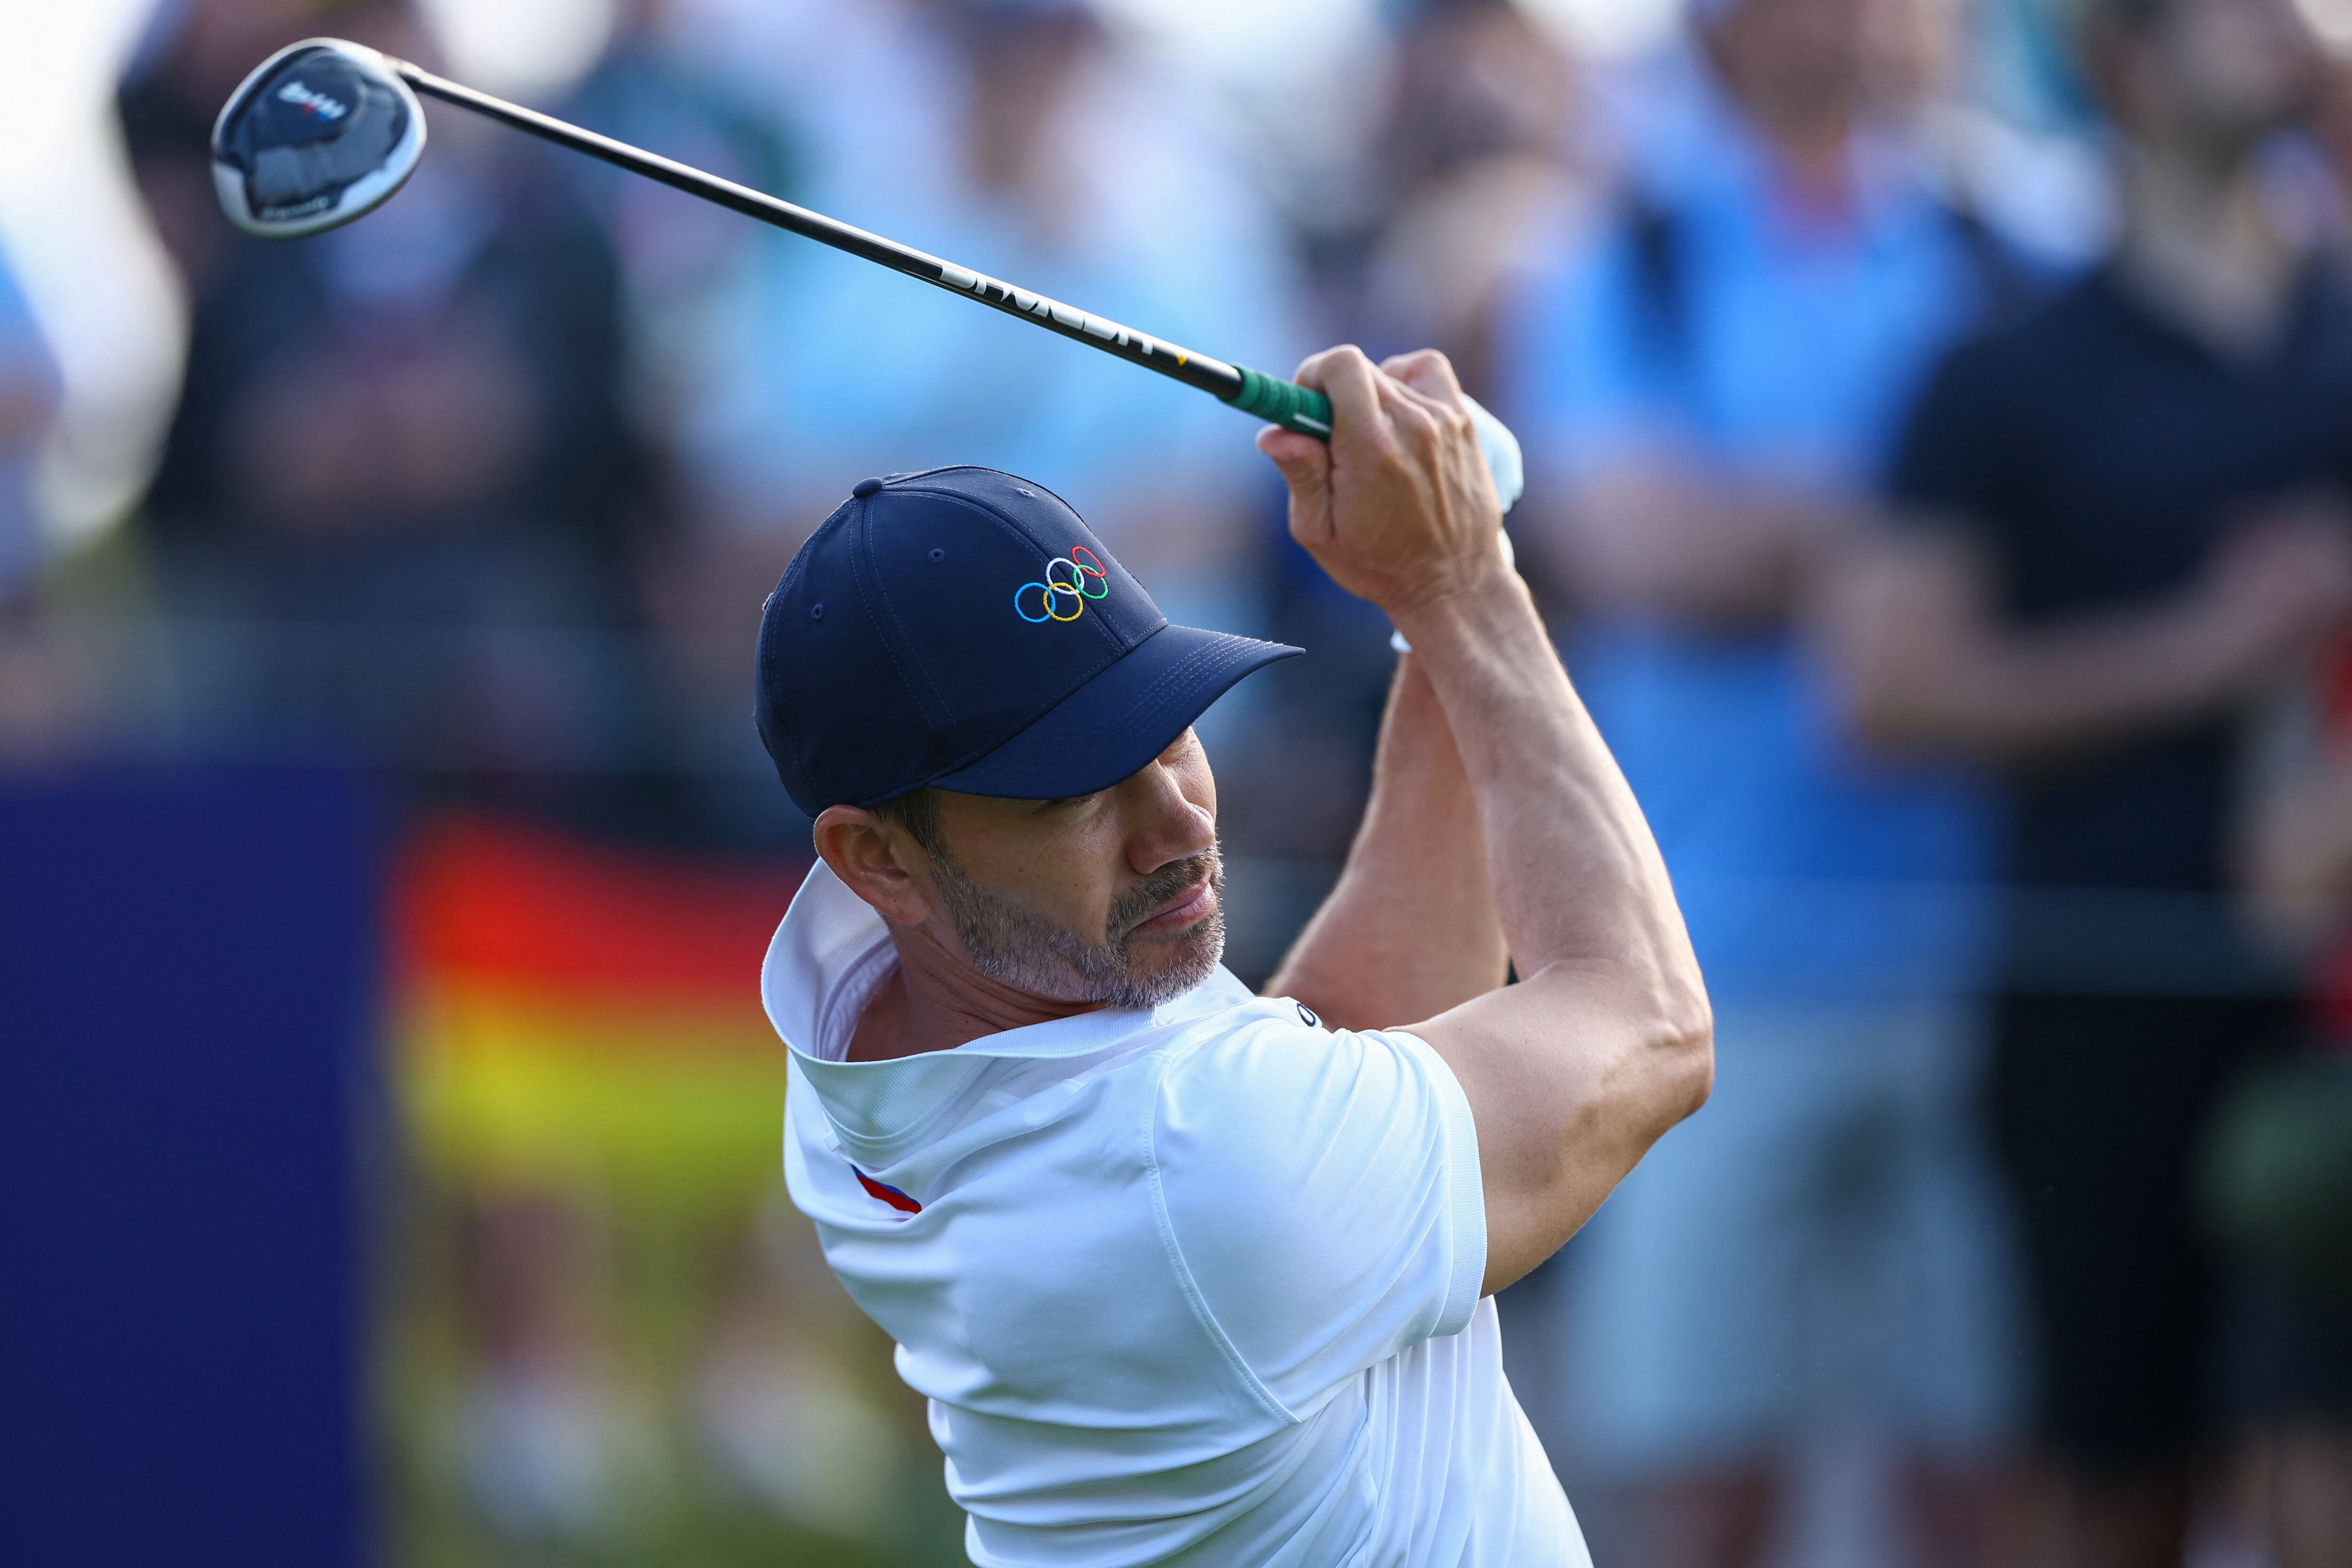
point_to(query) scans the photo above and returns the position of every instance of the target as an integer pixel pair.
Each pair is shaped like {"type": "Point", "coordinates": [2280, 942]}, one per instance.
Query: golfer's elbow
{"type": "Point", "coordinates": [1662, 1067]}
{"type": "Point", "coordinates": [1681, 1055]}
{"type": "Point", "coordinates": [1679, 1034]}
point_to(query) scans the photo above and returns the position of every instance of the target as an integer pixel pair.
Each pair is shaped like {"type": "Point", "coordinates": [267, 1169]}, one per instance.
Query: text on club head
{"type": "Point", "coordinates": [317, 103]}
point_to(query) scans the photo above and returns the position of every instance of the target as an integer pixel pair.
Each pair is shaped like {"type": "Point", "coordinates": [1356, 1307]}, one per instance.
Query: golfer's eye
{"type": "Point", "coordinates": [1072, 802]}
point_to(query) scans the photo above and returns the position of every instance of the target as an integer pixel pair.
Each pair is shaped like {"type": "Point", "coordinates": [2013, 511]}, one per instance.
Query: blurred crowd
{"type": "Point", "coordinates": [1939, 419]}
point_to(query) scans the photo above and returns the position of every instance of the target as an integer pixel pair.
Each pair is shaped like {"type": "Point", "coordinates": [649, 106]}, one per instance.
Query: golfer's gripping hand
{"type": "Point", "coordinates": [1607, 1041]}
{"type": "Point", "coordinates": [1399, 508]}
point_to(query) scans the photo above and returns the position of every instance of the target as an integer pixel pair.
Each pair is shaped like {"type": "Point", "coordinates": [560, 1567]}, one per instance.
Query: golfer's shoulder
{"type": "Point", "coordinates": [1270, 1096]}
{"type": "Point", "coordinates": [1318, 1189]}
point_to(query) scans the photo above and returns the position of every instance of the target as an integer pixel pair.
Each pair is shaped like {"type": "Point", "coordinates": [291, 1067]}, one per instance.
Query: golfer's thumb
{"type": "Point", "coordinates": [1305, 462]}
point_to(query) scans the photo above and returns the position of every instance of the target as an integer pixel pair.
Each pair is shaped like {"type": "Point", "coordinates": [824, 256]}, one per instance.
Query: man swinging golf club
{"type": "Point", "coordinates": [1190, 1275]}
{"type": "Point", "coordinates": [1187, 1275]}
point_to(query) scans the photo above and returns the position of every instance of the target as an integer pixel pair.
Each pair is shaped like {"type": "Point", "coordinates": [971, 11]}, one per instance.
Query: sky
{"type": "Point", "coordinates": [71, 226]}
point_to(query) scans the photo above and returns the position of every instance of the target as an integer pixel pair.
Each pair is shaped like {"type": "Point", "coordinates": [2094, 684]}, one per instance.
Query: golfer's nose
{"type": "Point", "coordinates": [1169, 824]}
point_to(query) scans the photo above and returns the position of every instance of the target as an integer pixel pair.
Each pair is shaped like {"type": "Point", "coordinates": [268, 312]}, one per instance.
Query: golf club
{"type": "Point", "coordinates": [324, 131]}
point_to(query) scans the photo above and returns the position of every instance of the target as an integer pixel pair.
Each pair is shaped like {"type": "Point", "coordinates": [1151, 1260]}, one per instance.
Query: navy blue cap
{"type": "Point", "coordinates": [965, 628]}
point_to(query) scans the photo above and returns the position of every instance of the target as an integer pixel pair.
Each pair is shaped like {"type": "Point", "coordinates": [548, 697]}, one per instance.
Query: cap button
{"type": "Point", "coordinates": [864, 488]}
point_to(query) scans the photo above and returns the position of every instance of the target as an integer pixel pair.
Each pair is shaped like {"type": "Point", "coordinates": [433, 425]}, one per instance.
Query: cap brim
{"type": "Point", "coordinates": [1116, 723]}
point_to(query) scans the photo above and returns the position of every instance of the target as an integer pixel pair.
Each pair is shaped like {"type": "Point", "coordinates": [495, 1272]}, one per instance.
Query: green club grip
{"type": "Point", "coordinates": [1283, 403]}
{"type": "Point", "coordinates": [1294, 407]}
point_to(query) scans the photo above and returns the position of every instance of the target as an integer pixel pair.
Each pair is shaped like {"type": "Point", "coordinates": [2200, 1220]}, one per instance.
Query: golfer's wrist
{"type": "Point", "coordinates": [1462, 605]}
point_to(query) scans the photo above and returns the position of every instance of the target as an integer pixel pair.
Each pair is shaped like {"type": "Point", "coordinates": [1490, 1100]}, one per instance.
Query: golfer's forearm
{"type": "Point", "coordinates": [1608, 1042]}
{"type": "Point", "coordinates": [1578, 880]}
{"type": "Point", "coordinates": [1411, 929]}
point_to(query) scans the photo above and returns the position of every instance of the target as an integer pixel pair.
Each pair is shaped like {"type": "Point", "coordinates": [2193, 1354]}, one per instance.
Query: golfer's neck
{"type": "Point", "coordinates": [935, 1001]}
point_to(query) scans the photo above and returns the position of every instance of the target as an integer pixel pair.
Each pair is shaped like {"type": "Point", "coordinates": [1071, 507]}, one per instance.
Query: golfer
{"type": "Point", "coordinates": [1190, 1275]}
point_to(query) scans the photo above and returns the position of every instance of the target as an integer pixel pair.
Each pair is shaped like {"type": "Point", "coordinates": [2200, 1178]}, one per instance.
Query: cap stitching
{"type": "Point", "coordinates": [1156, 693]}
{"type": "Point", "coordinates": [793, 570]}
{"type": "Point", "coordinates": [1113, 654]}
{"type": "Point", "coordinates": [918, 678]}
{"type": "Point", "coordinates": [974, 755]}
{"type": "Point", "coordinates": [1015, 479]}
{"type": "Point", "coordinates": [1103, 631]}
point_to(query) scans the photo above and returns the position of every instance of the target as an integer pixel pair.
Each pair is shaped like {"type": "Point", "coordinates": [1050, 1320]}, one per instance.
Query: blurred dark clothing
{"type": "Point", "coordinates": [2098, 453]}
{"type": "Point", "coordinates": [2277, 1191]}
{"type": "Point", "coordinates": [2330, 972]}
{"type": "Point", "coordinates": [510, 259]}
{"type": "Point", "coordinates": [2286, 1356]}
{"type": "Point", "coordinates": [2100, 1107]}
{"type": "Point", "coordinates": [30, 394]}
{"type": "Point", "coordinates": [392, 521]}
{"type": "Point", "coordinates": [538, 285]}
{"type": "Point", "coordinates": [1743, 332]}
{"type": "Point", "coordinates": [1664, 337]}
{"type": "Point", "coordinates": [673, 244]}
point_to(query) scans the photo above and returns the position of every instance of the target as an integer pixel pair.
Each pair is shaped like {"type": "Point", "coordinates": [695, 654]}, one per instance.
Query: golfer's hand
{"type": "Point", "coordinates": [1399, 508]}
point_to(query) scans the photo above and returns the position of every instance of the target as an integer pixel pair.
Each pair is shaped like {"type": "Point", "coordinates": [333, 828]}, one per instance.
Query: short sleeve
{"type": "Point", "coordinates": [1321, 1197]}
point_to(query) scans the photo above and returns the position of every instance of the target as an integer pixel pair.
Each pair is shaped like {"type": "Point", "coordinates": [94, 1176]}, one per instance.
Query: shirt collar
{"type": "Point", "coordinates": [829, 956]}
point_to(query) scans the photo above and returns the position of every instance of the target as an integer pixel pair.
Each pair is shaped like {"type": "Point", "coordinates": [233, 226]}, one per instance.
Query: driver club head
{"type": "Point", "coordinates": [321, 132]}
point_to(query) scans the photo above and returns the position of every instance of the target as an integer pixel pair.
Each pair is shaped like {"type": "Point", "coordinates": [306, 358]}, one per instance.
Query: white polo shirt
{"type": "Point", "coordinates": [1195, 1285]}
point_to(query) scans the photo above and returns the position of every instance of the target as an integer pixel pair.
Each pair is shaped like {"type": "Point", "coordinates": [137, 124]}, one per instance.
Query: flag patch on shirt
{"type": "Point", "coordinates": [887, 1192]}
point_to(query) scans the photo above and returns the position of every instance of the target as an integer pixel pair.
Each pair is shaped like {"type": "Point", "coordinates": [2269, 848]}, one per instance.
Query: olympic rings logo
{"type": "Point", "coordinates": [1086, 580]}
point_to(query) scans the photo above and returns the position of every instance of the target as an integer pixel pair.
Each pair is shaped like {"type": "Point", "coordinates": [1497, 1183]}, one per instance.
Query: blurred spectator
{"type": "Point", "coordinates": [393, 527]}
{"type": "Point", "coordinates": [1017, 137]}
{"type": "Point", "coordinates": [29, 393]}
{"type": "Point", "coordinates": [682, 264]}
{"type": "Point", "coordinates": [1464, 184]}
{"type": "Point", "coordinates": [1476, 157]}
{"type": "Point", "coordinates": [28, 403]}
{"type": "Point", "coordinates": [2137, 523]}
{"type": "Point", "coordinates": [1009, 136]}
{"type": "Point", "coordinates": [48, 691]}
{"type": "Point", "coordinates": [1717, 373]}
{"type": "Point", "coordinates": [676, 252]}
{"type": "Point", "coordinates": [392, 503]}
{"type": "Point", "coordinates": [2278, 1184]}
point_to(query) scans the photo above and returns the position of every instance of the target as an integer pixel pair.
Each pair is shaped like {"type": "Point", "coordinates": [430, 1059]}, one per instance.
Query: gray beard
{"type": "Point", "coordinates": [1021, 948]}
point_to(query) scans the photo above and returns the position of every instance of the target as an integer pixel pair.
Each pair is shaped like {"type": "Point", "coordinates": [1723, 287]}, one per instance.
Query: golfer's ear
{"type": "Point", "coordinates": [866, 853]}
